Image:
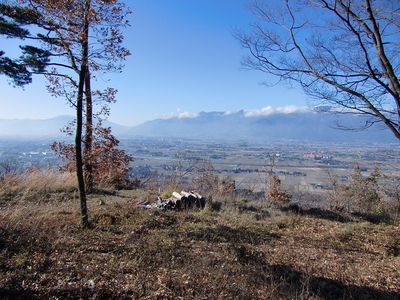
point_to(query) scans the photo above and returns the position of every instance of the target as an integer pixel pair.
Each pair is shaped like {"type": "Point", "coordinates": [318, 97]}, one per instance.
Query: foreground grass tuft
{"type": "Point", "coordinates": [35, 185]}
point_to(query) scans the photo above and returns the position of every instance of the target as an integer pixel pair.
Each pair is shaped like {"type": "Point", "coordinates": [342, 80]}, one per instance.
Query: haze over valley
{"type": "Point", "coordinates": [269, 124]}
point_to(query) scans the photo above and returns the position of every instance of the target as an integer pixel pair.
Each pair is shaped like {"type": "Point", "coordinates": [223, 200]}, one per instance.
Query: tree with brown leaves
{"type": "Point", "coordinates": [83, 37]}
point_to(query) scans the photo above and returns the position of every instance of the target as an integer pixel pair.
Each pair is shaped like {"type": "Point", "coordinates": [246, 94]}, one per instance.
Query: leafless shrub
{"type": "Point", "coordinates": [9, 166]}
{"type": "Point", "coordinates": [210, 183]}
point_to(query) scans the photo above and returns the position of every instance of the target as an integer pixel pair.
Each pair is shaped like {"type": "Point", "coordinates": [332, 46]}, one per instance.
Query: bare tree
{"type": "Point", "coordinates": [9, 165]}
{"type": "Point", "coordinates": [341, 52]}
{"type": "Point", "coordinates": [183, 164]}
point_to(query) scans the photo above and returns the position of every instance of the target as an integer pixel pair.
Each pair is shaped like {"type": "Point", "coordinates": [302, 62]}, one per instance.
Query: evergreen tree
{"type": "Point", "coordinates": [80, 37]}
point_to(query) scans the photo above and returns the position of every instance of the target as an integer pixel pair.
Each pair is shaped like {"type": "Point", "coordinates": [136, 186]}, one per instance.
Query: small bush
{"type": "Point", "coordinates": [276, 195]}
{"type": "Point", "coordinates": [366, 196]}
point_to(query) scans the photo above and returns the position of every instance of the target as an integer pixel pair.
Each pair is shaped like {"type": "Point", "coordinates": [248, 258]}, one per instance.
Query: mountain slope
{"type": "Point", "coordinates": [302, 126]}
{"type": "Point", "coordinates": [32, 127]}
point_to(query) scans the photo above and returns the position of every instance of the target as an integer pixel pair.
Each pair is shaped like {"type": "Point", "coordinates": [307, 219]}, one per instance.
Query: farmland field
{"type": "Point", "coordinates": [306, 168]}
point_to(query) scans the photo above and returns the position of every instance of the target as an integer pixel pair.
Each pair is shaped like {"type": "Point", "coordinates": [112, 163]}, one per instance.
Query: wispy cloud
{"type": "Point", "coordinates": [179, 114]}
{"type": "Point", "coordinates": [269, 110]}
{"type": "Point", "coordinates": [187, 114]}
{"type": "Point", "coordinates": [265, 111]}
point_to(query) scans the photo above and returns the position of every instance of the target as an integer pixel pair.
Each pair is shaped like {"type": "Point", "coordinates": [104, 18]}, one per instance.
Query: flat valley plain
{"type": "Point", "coordinates": [304, 168]}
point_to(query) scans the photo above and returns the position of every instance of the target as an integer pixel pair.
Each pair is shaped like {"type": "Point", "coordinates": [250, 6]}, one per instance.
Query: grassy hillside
{"type": "Point", "coordinates": [233, 249]}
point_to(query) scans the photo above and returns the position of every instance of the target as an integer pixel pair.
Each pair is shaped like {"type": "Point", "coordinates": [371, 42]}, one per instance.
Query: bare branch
{"type": "Point", "coordinates": [340, 52]}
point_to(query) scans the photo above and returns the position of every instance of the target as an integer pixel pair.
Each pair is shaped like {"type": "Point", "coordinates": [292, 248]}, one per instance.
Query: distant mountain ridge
{"type": "Point", "coordinates": [302, 126]}
{"type": "Point", "coordinates": [33, 128]}
{"type": "Point", "coordinates": [297, 125]}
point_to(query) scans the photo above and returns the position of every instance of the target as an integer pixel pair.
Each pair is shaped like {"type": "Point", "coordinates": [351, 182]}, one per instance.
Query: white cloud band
{"type": "Point", "coordinates": [269, 110]}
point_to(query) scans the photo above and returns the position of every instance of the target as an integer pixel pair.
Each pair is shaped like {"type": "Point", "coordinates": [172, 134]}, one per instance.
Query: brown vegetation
{"type": "Point", "coordinates": [275, 194]}
{"type": "Point", "coordinates": [109, 165]}
{"type": "Point", "coordinates": [236, 248]}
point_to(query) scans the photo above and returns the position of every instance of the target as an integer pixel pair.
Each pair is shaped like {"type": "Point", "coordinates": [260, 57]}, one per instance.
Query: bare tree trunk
{"type": "Point", "coordinates": [79, 117]}
{"type": "Point", "coordinates": [88, 134]}
{"type": "Point", "coordinates": [78, 153]}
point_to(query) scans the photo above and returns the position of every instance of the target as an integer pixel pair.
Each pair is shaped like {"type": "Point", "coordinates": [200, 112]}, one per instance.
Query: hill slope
{"type": "Point", "coordinates": [130, 253]}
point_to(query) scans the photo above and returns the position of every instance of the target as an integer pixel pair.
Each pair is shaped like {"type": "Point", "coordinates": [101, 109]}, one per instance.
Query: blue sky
{"type": "Point", "coordinates": [184, 60]}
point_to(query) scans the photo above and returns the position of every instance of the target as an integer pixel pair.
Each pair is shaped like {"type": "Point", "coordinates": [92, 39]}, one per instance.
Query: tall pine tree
{"type": "Point", "coordinates": [81, 37]}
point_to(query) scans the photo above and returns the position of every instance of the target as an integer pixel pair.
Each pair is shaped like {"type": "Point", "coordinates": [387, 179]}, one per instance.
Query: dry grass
{"type": "Point", "coordinates": [243, 250]}
{"type": "Point", "coordinates": [37, 185]}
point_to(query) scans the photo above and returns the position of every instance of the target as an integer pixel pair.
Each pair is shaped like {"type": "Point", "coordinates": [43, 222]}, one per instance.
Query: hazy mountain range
{"type": "Point", "coordinates": [301, 125]}
{"type": "Point", "coordinates": [43, 127]}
